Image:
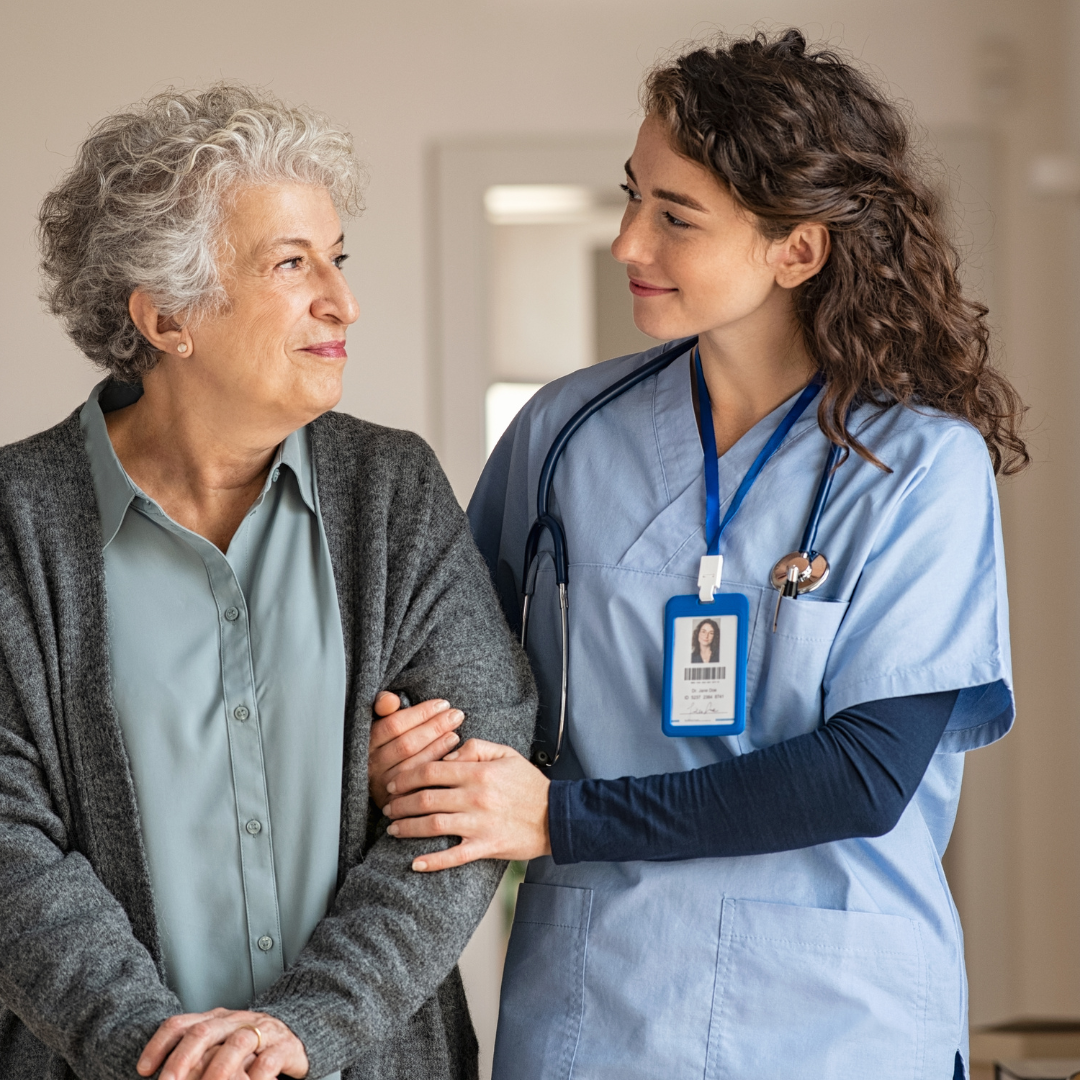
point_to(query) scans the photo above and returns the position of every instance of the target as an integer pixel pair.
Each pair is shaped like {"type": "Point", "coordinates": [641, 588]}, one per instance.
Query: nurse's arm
{"type": "Point", "coordinates": [486, 793]}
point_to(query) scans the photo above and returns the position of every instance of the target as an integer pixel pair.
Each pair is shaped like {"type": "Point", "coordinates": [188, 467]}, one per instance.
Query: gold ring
{"type": "Point", "coordinates": [258, 1035]}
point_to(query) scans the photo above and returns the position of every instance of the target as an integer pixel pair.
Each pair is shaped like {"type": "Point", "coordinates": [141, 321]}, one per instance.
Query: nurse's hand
{"type": "Point", "coordinates": [486, 793]}
{"type": "Point", "coordinates": [407, 738]}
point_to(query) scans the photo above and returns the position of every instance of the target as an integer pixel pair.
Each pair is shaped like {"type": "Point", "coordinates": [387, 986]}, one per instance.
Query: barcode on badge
{"type": "Point", "coordinates": [699, 674]}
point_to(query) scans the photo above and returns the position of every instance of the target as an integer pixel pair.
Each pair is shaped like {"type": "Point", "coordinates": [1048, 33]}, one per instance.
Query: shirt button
{"type": "Point", "coordinates": [275, 475]}
{"type": "Point", "coordinates": [266, 943]}
{"type": "Point", "coordinates": [254, 827]}
{"type": "Point", "coordinates": [241, 713]}
{"type": "Point", "coordinates": [232, 614]}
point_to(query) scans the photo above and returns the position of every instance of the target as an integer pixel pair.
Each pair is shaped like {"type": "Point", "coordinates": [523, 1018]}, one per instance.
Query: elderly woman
{"type": "Point", "coordinates": [206, 580]}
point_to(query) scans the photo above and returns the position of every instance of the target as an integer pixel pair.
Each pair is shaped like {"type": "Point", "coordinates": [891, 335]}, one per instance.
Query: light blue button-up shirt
{"type": "Point", "coordinates": [228, 674]}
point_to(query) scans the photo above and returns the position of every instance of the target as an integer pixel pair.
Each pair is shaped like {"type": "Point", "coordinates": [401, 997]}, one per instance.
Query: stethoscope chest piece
{"type": "Point", "coordinates": [800, 572]}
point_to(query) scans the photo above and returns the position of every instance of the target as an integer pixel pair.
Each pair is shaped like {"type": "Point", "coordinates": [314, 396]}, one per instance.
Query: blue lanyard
{"type": "Point", "coordinates": [714, 527]}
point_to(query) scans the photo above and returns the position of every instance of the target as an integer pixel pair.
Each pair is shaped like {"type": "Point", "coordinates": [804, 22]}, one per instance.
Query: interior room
{"type": "Point", "coordinates": [493, 134]}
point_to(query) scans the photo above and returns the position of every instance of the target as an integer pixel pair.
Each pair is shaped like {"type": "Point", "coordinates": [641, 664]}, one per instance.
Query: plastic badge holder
{"type": "Point", "coordinates": [720, 705]}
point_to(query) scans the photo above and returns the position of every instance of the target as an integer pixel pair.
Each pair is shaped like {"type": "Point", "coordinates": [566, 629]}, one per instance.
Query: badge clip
{"type": "Point", "coordinates": [708, 579]}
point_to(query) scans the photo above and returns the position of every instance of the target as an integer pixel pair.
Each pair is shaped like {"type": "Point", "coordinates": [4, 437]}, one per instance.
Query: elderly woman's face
{"type": "Point", "coordinates": [280, 344]}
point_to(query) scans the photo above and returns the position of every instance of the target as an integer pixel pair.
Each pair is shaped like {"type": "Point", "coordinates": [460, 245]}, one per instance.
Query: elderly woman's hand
{"type": "Point", "coordinates": [407, 738]}
{"type": "Point", "coordinates": [486, 793]}
{"type": "Point", "coordinates": [224, 1044]}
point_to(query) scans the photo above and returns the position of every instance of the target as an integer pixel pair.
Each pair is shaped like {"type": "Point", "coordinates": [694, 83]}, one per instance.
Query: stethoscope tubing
{"type": "Point", "coordinates": [546, 522]}
{"type": "Point", "coordinates": [806, 547]}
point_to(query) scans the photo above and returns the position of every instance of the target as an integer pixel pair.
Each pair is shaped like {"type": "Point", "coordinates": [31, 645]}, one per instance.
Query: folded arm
{"type": "Point", "coordinates": [71, 968]}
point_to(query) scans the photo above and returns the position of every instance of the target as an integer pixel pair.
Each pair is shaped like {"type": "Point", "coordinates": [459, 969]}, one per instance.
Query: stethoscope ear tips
{"type": "Point", "coordinates": [541, 758]}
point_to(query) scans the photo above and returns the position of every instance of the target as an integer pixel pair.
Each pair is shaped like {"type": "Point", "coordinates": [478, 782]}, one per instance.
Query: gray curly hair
{"type": "Point", "coordinates": [144, 204]}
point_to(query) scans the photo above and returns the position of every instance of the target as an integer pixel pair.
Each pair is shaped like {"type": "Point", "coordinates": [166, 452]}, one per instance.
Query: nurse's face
{"type": "Point", "coordinates": [696, 261]}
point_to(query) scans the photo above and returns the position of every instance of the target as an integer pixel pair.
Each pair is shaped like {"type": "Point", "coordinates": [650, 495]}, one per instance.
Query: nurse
{"type": "Point", "coordinates": [769, 903]}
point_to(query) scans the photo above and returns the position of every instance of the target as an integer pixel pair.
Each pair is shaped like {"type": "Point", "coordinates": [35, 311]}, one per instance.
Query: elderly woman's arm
{"type": "Point", "coordinates": [70, 967]}
{"type": "Point", "coordinates": [393, 935]}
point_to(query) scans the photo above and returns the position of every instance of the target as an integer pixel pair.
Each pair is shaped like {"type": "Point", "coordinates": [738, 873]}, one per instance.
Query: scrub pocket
{"type": "Point", "coordinates": [543, 984]}
{"type": "Point", "coordinates": [815, 994]}
{"type": "Point", "coordinates": [786, 669]}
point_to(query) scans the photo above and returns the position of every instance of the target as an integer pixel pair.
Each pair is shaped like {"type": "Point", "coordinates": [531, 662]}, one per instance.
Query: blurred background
{"type": "Point", "coordinates": [494, 133]}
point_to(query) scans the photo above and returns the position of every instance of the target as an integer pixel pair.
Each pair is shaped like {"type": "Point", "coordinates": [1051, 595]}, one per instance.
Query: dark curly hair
{"type": "Point", "coordinates": [798, 136]}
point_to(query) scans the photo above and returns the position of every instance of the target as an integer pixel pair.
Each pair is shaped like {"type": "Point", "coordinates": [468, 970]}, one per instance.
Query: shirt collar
{"type": "Point", "coordinates": [115, 490]}
{"type": "Point", "coordinates": [295, 452]}
{"type": "Point", "coordinates": [112, 486]}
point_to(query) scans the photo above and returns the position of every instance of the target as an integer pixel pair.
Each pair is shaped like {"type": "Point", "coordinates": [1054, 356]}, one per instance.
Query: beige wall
{"type": "Point", "coordinates": [403, 74]}
{"type": "Point", "coordinates": [1014, 861]}
{"type": "Point", "coordinates": [408, 73]}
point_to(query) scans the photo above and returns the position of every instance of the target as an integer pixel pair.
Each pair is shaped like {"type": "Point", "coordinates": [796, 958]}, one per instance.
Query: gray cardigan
{"type": "Point", "coordinates": [376, 991]}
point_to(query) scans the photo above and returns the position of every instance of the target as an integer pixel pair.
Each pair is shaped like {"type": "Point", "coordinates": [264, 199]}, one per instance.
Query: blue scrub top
{"type": "Point", "coordinates": [844, 959]}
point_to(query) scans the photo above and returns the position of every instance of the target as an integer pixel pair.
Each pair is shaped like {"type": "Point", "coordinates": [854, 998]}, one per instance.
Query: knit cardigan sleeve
{"type": "Point", "coordinates": [425, 620]}
{"type": "Point", "coordinates": [70, 967]}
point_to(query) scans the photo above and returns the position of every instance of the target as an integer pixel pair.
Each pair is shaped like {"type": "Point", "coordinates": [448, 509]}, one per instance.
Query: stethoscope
{"type": "Point", "coordinates": [798, 572]}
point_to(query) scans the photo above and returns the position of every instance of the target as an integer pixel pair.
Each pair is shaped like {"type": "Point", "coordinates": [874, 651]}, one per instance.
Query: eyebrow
{"type": "Point", "coordinates": [670, 196]}
{"type": "Point", "coordinates": [299, 241]}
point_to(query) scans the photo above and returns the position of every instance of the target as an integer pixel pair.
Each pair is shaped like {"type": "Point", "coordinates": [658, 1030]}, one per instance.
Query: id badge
{"type": "Point", "coordinates": [705, 665]}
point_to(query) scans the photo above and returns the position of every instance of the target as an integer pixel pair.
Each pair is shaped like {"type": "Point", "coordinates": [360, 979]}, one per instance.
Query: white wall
{"type": "Point", "coordinates": [541, 297]}
{"type": "Point", "coordinates": [408, 73]}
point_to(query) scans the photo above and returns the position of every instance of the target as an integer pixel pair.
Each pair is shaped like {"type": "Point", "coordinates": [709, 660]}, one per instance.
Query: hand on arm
{"type": "Point", "coordinates": [854, 776]}
{"type": "Point", "coordinates": [223, 1044]}
{"type": "Point", "coordinates": [486, 793]}
{"type": "Point", "coordinates": [407, 738]}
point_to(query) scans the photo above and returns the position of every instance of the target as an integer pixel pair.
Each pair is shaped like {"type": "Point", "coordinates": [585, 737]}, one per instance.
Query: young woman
{"type": "Point", "coordinates": [706, 642]}
{"type": "Point", "coordinates": [768, 903]}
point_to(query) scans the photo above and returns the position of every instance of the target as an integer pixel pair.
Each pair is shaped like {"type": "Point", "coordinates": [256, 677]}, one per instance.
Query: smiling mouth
{"type": "Point", "coordinates": [643, 288]}
{"type": "Point", "coordinates": [328, 349]}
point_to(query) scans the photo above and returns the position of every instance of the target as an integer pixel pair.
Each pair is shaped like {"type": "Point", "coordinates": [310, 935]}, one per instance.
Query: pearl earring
{"type": "Point", "coordinates": [182, 347]}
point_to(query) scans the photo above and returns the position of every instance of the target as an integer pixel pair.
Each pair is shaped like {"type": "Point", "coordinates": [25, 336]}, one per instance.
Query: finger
{"type": "Point", "coordinates": [199, 1071]}
{"type": "Point", "coordinates": [269, 1065]}
{"type": "Point", "coordinates": [412, 743]}
{"type": "Point", "coordinates": [396, 724]}
{"type": "Point", "coordinates": [455, 773]}
{"type": "Point", "coordinates": [427, 801]}
{"type": "Point", "coordinates": [231, 1055]}
{"type": "Point", "coordinates": [471, 751]}
{"type": "Point", "coordinates": [490, 751]}
{"type": "Point", "coordinates": [432, 774]}
{"type": "Point", "coordinates": [386, 703]}
{"type": "Point", "coordinates": [198, 1038]}
{"type": "Point", "coordinates": [168, 1034]}
{"type": "Point", "coordinates": [434, 751]}
{"type": "Point", "coordinates": [480, 750]}
{"type": "Point", "coordinates": [440, 824]}
{"type": "Point", "coordinates": [458, 855]}
{"type": "Point", "coordinates": [284, 1054]}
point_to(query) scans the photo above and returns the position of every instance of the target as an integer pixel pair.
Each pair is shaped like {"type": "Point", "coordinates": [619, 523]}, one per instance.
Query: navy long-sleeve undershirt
{"type": "Point", "coordinates": [851, 777]}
